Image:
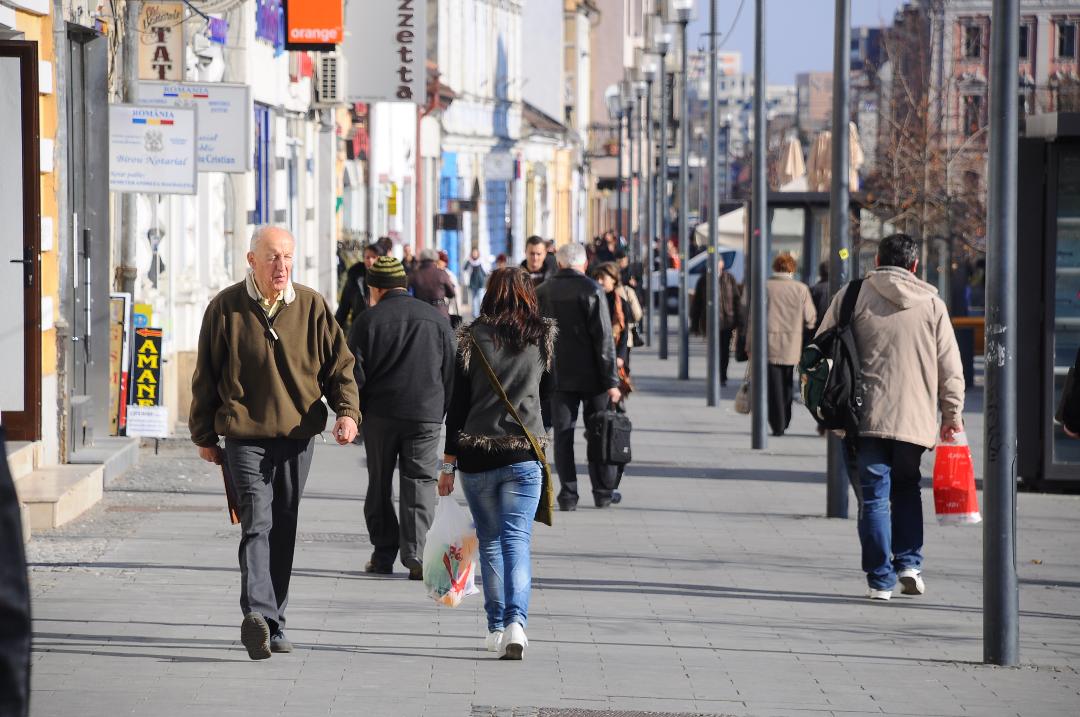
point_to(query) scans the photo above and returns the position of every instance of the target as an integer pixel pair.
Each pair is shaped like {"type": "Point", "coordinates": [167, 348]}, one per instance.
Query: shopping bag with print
{"type": "Point", "coordinates": [955, 500]}
{"type": "Point", "coordinates": [450, 554]}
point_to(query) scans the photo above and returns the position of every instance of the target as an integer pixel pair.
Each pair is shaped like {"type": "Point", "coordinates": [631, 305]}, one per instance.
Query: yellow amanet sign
{"type": "Point", "coordinates": [146, 385]}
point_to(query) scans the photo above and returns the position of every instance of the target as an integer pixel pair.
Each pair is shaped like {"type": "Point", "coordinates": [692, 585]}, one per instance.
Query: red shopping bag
{"type": "Point", "coordinates": [955, 501]}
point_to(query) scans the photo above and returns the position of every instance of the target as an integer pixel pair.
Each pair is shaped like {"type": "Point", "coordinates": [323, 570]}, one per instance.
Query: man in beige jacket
{"type": "Point", "coordinates": [911, 371]}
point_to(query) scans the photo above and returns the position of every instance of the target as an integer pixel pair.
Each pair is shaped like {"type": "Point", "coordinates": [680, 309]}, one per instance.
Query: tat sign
{"type": "Point", "coordinates": [224, 114]}
{"type": "Point", "coordinates": [388, 39]}
{"type": "Point", "coordinates": [146, 371]}
{"type": "Point", "coordinates": [161, 41]}
{"type": "Point", "coordinates": [152, 149]}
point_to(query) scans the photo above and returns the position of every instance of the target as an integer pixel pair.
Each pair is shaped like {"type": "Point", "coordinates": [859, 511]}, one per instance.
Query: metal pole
{"type": "Point", "coordinates": [662, 208]}
{"type": "Point", "coordinates": [684, 210]}
{"type": "Point", "coordinates": [650, 198]}
{"type": "Point", "coordinates": [618, 182]}
{"type": "Point", "coordinates": [759, 239]}
{"type": "Point", "coordinates": [631, 118]}
{"type": "Point", "coordinates": [836, 482]}
{"type": "Point", "coordinates": [1000, 591]}
{"type": "Point", "coordinates": [639, 174]}
{"type": "Point", "coordinates": [727, 166]}
{"type": "Point", "coordinates": [712, 331]}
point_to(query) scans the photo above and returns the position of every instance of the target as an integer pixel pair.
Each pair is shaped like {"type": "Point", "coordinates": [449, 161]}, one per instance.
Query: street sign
{"type": "Point", "coordinates": [152, 149]}
{"type": "Point", "coordinates": [225, 115]}
{"type": "Point", "coordinates": [499, 167]}
{"type": "Point", "coordinates": [386, 48]}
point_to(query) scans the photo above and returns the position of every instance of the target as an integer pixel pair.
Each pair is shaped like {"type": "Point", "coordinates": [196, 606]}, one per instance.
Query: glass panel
{"type": "Point", "coordinates": [1066, 290]}
{"type": "Point", "coordinates": [786, 233]}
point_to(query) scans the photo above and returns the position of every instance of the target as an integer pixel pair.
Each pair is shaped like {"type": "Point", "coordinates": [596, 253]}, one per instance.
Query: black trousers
{"type": "Point", "coordinates": [725, 352]}
{"type": "Point", "coordinates": [780, 388]}
{"type": "Point", "coordinates": [269, 476]}
{"type": "Point", "coordinates": [14, 600]}
{"type": "Point", "coordinates": [564, 413]}
{"type": "Point", "coordinates": [413, 448]}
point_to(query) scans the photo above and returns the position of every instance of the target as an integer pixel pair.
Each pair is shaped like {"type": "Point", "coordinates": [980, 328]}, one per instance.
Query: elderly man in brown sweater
{"type": "Point", "coordinates": [269, 351]}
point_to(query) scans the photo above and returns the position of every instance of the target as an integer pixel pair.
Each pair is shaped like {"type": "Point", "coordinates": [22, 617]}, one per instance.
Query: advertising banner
{"type": "Point", "coordinates": [161, 41]}
{"type": "Point", "coordinates": [119, 359]}
{"type": "Point", "coordinates": [224, 115]}
{"type": "Point", "coordinates": [386, 48]}
{"type": "Point", "coordinates": [314, 24]}
{"type": "Point", "coordinates": [146, 369]}
{"type": "Point", "coordinates": [152, 149]}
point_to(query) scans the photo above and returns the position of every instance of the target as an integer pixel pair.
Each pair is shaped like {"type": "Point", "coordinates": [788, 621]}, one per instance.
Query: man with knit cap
{"type": "Point", "coordinates": [269, 352]}
{"type": "Point", "coordinates": [404, 368]}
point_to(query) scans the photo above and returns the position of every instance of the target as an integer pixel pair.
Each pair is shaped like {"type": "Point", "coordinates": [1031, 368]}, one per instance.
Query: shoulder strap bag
{"type": "Point", "coordinates": [544, 508]}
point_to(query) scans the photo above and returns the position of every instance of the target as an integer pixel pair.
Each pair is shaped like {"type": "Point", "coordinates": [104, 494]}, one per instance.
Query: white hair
{"type": "Point", "coordinates": [429, 254]}
{"type": "Point", "coordinates": [257, 235]}
{"type": "Point", "coordinates": [571, 255]}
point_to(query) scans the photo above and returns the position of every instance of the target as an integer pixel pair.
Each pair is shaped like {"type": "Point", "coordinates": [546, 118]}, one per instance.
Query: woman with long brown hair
{"type": "Point", "coordinates": [500, 473]}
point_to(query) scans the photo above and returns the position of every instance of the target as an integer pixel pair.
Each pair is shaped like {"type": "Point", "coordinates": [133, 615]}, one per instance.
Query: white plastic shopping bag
{"type": "Point", "coordinates": [450, 554]}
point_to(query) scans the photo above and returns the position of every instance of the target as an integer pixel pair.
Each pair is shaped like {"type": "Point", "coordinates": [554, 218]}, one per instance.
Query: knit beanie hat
{"type": "Point", "coordinates": [387, 273]}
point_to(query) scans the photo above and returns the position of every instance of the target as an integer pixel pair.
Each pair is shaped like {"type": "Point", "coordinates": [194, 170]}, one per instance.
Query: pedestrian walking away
{"type": "Point", "coordinates": [269, 352]}
{"type": "Point", "coordinates": [15, 626]}
{"type": "Point", "coordinates": [911, 371]}
{"type": "Point", "coordinates": [355, 297]}
{"type": "Point", "coordinates": [431, 284]}
{"type": "Point", "coordinates": [730, 298]}
{"type": "Point", "coordinates": [585, 372]}
{"type": "Point", "coordinates": [404, 366]}
{"type": "Point", "coordinates": [476, 282]}
{"type": "Point", "coordinates": [791, 315]}
{"type": "Point", "coordinates": [453, 306]}
{"type": "Point", "coordinates": [540, 264]}
{"type": "Point", "coordinates": [501, 475]}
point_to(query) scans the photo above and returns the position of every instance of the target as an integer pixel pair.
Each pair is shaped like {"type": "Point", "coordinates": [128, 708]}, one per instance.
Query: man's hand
{"type": "Point", "coordinates": [614, 395]}
{"type": "Point", "coordinates": [344, 430]}
{"type": "Point", "coordinates": [949, 431]}
{"type": "Point", "coordinates": [212, 454]}
{"type": "Point", "coordinates": [446, 483]}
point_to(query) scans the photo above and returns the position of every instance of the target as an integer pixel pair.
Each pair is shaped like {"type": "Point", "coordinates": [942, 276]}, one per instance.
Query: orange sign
{"type": "Point", "coordinates": [314, 23]}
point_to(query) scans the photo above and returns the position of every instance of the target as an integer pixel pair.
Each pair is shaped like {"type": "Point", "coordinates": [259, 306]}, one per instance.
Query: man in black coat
{"type": "Point", "coordinates": [404, 370]}
{"type": "Point", "coordinates": [539, 262]}
{"type": "Point", "coordinates": [584, 372]}
{"type": "Point", "coordinates": [14, 601]}
{"type": "Point", "coordinates": [355, 296]}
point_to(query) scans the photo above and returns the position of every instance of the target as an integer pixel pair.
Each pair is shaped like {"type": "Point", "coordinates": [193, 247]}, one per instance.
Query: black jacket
{"type": "Point", "coordinates": [546, 271]}
{"type": "Point", "coordinates": [584, 350]}
{"type": "Point", "coordinates": [354, 296]}
{"type": "Point", "coordinates": [404, 359]}
{"type": "Point", "coordinates": [819, 292]}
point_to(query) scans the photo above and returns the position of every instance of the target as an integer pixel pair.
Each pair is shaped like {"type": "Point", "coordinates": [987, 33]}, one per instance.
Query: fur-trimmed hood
{"type": "Point", "coordinates": [465, 342]}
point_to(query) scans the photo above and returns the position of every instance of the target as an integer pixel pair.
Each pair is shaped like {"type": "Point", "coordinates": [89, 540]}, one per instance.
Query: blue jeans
{"type": "Point", "coordinates": [503, 503]}
{"type": "Point", "coordinates": [890, 513]}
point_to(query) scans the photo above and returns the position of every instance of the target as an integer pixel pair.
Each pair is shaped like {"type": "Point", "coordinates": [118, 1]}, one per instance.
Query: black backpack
{"type": "Point", "coordinates": [830, 375]}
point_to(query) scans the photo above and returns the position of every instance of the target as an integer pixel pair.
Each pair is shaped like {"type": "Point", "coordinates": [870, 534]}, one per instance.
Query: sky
{"type": "Point", "coordinates": [798, 33]}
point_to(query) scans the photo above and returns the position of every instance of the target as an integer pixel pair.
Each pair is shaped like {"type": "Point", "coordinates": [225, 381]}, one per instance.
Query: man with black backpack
{"type": "Point", "coordinates": [908, 371]}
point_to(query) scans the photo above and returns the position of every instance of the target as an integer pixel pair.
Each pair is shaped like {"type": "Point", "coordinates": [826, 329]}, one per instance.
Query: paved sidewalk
{"type": "Point", "coordinates": [717, 587]}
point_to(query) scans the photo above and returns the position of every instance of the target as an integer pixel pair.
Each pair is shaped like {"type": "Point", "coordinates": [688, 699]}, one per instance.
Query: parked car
{"type": "Point", "coordinates": [734, 262]}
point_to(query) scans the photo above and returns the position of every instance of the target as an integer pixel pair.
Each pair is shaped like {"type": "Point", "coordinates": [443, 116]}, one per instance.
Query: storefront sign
{"type": "Point", "coordinates": [161, 41]}
{"type": "Point", "coordinates": [270, 23]}
{"type": "Point", "coordinates": [152, 149]}
{"type": "Point", "coordinates": [218, 30]}
{"type": "Point", "coordinates": [146, 370]}
{"type": "Point", "coordinates": [313, 24]}
{"type": "Point", "coordinates": [386, 47]}
{"type": "Point", "coordinates": [148, 421]}
{"type": "Point", "coordinates": [119, 359]}
{"type": "Point", "coordinates": [224, 114]}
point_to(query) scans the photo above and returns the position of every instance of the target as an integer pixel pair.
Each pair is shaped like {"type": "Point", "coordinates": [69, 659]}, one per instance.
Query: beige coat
{"type": "Point", "coordinates": [910, 361]}
{"type": "Point", "coordinates": [791, 312]}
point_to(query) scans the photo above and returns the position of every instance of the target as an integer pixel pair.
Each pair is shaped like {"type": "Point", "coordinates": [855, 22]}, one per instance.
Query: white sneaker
{"type": "Point", "coordinates": [911, 582]}
{"type": "Point", "coordinates": [875, 594]}
{"type": "Point", "coordinates": [492, 641]}
{"type": "Point", "coordinates": [513, 643]}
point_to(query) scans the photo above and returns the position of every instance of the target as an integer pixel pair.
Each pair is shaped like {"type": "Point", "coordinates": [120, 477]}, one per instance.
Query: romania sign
{"type": "Point", "coordinates": [152, 149]}
{"type": "Point", "coordinates": [224, 114]}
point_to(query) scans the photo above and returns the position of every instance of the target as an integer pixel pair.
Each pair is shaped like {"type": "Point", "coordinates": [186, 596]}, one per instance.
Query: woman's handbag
{"type": "Point", "coordinates": [545, 508]}
{"type": "Point", "coordinates": [742, 398]}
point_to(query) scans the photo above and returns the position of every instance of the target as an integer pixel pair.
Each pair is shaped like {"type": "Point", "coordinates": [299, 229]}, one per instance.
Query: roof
{"type": "Point", "coordinates": [540, 120]}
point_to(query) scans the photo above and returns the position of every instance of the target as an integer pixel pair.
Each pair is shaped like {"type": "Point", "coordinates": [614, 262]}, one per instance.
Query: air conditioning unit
{"type": "Point", "coordinates": [330, 80]}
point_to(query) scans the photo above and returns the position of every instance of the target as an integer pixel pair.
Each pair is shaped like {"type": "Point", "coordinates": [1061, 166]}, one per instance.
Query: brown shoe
{"type": "Point", "coordinates": [372, 567]}
{"type": "Point", "coordinates": [416, 572]}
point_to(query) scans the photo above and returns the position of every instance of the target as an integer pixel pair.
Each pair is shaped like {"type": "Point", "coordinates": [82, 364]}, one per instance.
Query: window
{"type": "Point", "coordinates": [1025, 33]}
{"type": "Point", "coordinates": [973, 114]}
{"type": "Point", "coordinates": [972, 42]}
{"type": "Point", "coordinates": [1066, 37]}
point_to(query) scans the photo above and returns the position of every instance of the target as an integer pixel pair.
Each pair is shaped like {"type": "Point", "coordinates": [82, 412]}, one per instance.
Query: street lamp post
{"type": "Point", "coordinates": [648, 71]}
{"type": "Point", "coordinates": [712, 331]}
{"type": "Point", "coordinates": [663, 44]}
{"type": "Point", "coordinates": [613, 100]}
{"type": "Point", "coordinates": [639, 171]}
{"type": "Point", "coordinates": [626, 90]}
{"type": "Point", "coordinates": [759, 239]}
{"type": "Point", "coordinates": [684, 13]}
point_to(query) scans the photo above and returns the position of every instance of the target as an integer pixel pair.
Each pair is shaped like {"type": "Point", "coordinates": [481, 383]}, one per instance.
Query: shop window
{"type": "Point", "coordinates": [263, 165]}
{"type": "Point", "coordinates": [1066, 40]}
{"type": "Point", "coordinates": [1025, 35]}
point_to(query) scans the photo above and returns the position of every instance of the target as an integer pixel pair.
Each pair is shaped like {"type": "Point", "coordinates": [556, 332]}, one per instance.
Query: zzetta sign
{"type": "Point", "coordinates": [389, 40]}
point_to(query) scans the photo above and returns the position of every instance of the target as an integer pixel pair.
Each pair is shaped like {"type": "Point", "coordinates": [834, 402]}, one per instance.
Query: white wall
{"type": "Point", "coordinates": [543, 56]}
